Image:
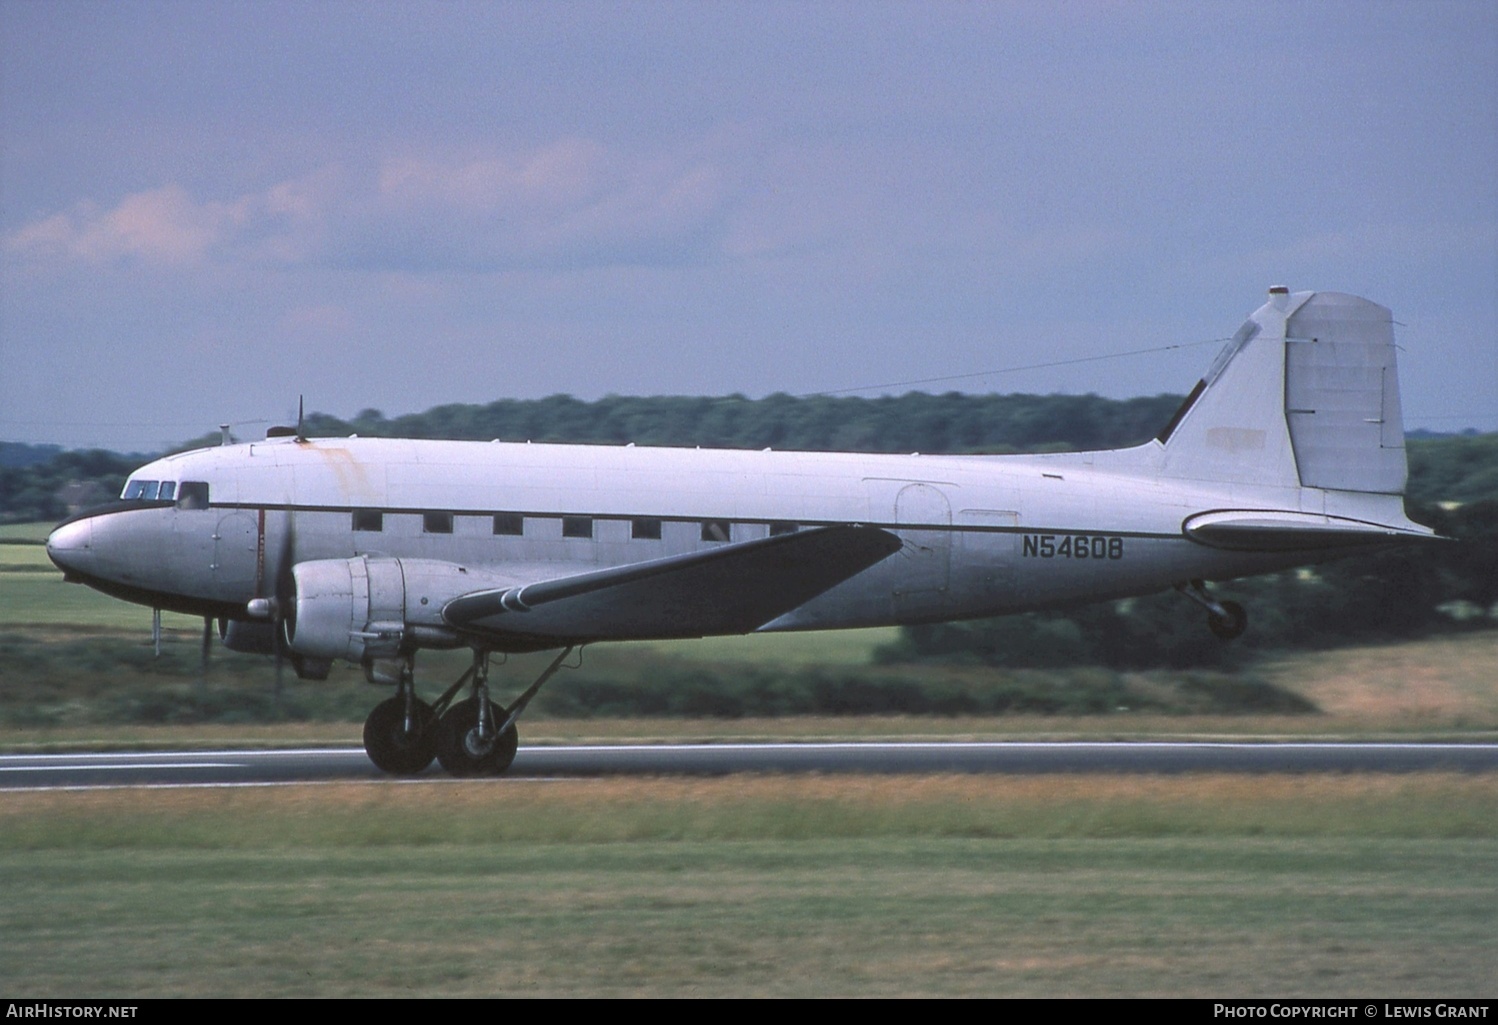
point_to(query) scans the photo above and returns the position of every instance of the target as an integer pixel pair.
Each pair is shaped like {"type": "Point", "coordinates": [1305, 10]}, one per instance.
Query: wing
{"type": "Point", "coordinates": [732, 589]}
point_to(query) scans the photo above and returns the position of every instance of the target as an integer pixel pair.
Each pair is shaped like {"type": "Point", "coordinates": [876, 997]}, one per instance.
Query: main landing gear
{"type": "Point", "coordinates": [1226, 619]}
{"type": "Point", "coordinates": [474, 737]}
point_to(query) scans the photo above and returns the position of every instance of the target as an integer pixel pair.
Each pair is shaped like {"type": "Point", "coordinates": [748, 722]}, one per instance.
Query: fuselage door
{"type": "Point", "coordinates": [235, 544]}
{"type": "Point", "coordinates": [925, 564]}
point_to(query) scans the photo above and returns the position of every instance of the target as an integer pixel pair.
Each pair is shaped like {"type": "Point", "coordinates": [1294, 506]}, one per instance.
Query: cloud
{"type": "Point", "coordinates": [159, 226]}
{"type": "Point", "coordinates": [572, 202]}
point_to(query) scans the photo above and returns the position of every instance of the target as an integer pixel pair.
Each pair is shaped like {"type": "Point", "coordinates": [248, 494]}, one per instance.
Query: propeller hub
{"type": "Point", "coordinates": [261, 608]}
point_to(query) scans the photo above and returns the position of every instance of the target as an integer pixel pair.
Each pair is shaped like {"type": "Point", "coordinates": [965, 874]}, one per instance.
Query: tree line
{"type": "Point", "coordinates": [914, 422]}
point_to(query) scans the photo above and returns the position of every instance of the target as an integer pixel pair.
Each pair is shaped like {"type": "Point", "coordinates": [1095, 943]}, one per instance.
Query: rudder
{"type": "Point", "coordinates": [1305, 395]}
{"type": "Point", "coordinates": [1342, 395]}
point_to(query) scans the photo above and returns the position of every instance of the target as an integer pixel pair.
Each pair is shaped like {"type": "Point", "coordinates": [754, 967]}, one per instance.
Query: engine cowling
{"type": "Point", "coordinates": [258, 637]}
{"type": "Point", "coordinates": [369, 608]}
{"type": "Point", "coordinates": [251, 636]}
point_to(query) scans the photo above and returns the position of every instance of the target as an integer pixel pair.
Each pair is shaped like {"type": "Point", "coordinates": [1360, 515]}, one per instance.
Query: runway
{"type": "Point", "coordinates": [310, 765]}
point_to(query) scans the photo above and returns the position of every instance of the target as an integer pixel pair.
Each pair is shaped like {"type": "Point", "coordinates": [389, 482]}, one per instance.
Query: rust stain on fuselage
{"type": "Point", "coordinates": [349, 474]}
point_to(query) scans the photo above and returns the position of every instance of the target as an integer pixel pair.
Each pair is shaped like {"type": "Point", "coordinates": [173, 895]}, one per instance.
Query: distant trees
{"type": "Point", "coordinates": [15, 454]}
{"type": "Point", "coordinates": [1454, 468]}
{"type": "Point", "coordinates": [31, 493]}
{"type": "Point", "coordinates": [914, 422]}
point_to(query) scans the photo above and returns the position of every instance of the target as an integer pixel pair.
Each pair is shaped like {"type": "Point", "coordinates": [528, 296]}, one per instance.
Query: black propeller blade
{"type": "Point", "coordinates": [283, 589]}
{"type": "Point", "coordinates": [202, 686]}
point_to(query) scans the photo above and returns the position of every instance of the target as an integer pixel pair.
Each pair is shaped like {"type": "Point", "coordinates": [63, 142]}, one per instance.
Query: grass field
{"type": "Point", "coordinates": [1210, 886]}
{"type": "Point", "coordinates": [24, 533]}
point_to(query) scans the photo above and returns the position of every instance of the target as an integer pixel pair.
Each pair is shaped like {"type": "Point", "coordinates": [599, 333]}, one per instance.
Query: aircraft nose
{"type": "Point", "coordinates": [71, 547]}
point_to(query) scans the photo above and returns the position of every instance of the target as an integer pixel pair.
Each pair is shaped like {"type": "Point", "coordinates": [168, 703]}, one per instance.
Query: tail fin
{"type": "Point", "coordinates": [1305, 395]}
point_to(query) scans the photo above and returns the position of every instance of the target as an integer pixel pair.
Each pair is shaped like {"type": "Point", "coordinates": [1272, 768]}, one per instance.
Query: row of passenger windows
{"type": "Point", "coordinates": [513, 525]}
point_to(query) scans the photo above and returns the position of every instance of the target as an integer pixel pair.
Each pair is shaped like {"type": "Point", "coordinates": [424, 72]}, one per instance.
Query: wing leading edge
{"type": "Point", "coordinates": [732, 589]}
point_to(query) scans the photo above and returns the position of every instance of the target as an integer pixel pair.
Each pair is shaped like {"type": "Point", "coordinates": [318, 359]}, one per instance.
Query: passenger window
{"type": "Point", "coordinates": [369, 519]}
{"type": "Point", "coordinates": [510, 524]}
{"type": "Point", "coordinates": [577, 526]}
{"type": "Point", "coordinates": [645, 530]}
{"type": "Point", "coordinates": [715, 530]}
{"type": "Point", "coordinates": [192, 495]}
{"type": "Point", "coordinates": [776, 529]}
{"type": "Point", "coordinates": [168, 491]}
{"type": "Point", "coordinates": [437, 522]}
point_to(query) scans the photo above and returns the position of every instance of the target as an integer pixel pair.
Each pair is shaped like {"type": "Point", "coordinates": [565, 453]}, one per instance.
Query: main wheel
{"type": "Point", "coordinates": [391, 746]}
{"type": "Point", "coordinates": [463, 751]}
{"type": "Point", "coordinates": [1230, 626]}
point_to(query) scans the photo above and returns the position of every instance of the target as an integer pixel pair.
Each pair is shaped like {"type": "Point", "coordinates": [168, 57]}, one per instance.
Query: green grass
{"type": "Point", "coordinates": [37, 598]}
{"type": "Point", "coordinates": [25, 558]}
{"type": "Point", "coordinates": [1202, 886]}
{"type": "Point", "coordinates": [24, 533]}
{"type": "Point", "coordinates": [823, 648]}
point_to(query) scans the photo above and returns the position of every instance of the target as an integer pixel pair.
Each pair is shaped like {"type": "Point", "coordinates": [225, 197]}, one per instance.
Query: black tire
{"type": "Point", "coordinates": [391, 747]}
{"type": "Point", "coordinates": [460, 750]}
{"type": "Point", "coordinates": [1231, 626]}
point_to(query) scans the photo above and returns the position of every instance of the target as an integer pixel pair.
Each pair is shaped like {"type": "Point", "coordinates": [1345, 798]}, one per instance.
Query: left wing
{"type": "Point", "coordinates": [732, 589]}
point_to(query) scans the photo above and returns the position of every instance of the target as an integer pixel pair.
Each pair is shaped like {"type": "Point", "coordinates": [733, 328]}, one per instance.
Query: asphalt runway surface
{"type": "Point", "coordinates": [250, 768]}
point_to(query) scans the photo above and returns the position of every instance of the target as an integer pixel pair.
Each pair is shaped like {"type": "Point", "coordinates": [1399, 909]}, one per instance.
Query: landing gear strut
{"type": "Point", "coordinates": [1226, 619]}
{"type": "Point", "coordinates": [400, 735]}
{"type": "Point", "coordinates": [474, 737]}
{"type": "Point", "coordinates": [469, 740]}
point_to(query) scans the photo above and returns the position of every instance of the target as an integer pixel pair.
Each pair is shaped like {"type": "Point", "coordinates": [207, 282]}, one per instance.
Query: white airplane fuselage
{"type": "Point", "coordinates": [980, 535]}
{"type": "Point", "coordinates": [1289, 451]}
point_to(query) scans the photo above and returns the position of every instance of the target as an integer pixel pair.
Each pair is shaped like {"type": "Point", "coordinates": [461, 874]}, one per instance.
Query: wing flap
{"type": "Point", "coordinates": [732, 589]}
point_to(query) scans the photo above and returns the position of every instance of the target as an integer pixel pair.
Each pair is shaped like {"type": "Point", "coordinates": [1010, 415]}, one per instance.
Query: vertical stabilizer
{"type": "Point", "coordinates": [1305, 395]}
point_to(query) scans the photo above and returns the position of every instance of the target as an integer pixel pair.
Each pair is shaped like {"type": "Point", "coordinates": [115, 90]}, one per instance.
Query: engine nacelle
{"type": "Point", "coordinates": [251, 636]}
{"type": "Point", "coordinates": [258, 637]}
{"type": "Point", "coordinates": [370, 608]}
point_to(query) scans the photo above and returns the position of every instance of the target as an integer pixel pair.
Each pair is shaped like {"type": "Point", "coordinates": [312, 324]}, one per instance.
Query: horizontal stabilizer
{"type": "Point", "coordinates": [1260, 530]}
{"type": "Point", "coordinates": [732, 589]}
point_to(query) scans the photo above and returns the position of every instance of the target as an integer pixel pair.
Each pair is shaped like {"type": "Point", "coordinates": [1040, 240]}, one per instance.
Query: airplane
{"type": "Point", "coordinates": [1290, 451]}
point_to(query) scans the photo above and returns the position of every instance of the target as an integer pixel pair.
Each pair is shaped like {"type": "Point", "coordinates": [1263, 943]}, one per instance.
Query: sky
{"type": "Point", "coordinates": [210, 209]}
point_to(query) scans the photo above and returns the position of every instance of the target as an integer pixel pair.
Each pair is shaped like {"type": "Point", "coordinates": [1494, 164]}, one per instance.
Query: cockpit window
{"type": "Point", "coordinates": [151, 490]}
{"type": "Point", "coordinates": [192, 495]}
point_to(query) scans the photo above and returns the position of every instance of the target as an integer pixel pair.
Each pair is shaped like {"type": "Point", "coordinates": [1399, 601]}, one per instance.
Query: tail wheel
{"type": "Point", "coordinates": [1231, 624]}
{"type": "Point", "coordinates": [465, 750]}
{"type": "Point", "coordinates": [396, 746]}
